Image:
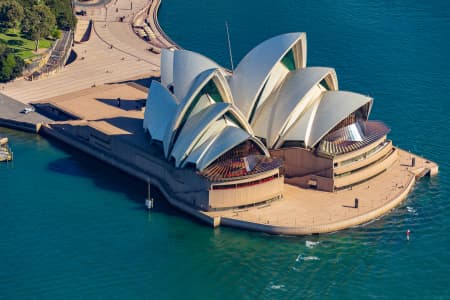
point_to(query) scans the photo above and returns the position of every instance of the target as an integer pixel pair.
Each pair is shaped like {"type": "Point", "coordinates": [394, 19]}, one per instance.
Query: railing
{"type": "Point", "coordinates": [58, 57]}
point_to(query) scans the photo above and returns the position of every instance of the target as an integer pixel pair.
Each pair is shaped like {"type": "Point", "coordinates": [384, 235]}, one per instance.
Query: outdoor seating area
{"type": "Point", "coordinates": [231, 168]}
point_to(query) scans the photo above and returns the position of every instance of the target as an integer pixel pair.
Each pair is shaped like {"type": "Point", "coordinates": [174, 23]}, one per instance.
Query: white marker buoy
{"type": "Point", "coordinates": [149, 203]}
{"type": "Point", "coordinates": [149, 200]}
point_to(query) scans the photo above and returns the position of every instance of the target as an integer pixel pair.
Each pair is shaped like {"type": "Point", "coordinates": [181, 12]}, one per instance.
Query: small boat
{"type": "Point", "coordinates": [5, 151]}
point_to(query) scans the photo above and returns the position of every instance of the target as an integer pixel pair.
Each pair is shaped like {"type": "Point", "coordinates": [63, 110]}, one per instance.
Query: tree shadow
{"type": "Point", "coordinates": [12, 34]}
{"type": "Point", "coordinates": [16, 43]}
{"type": "Point", "coordinates": [13, 50]}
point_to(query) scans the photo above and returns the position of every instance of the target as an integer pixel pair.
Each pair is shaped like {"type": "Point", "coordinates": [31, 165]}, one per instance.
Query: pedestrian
{"type": "Point", "coordinates": [408, 233]}
{"type": "Point", "coordinates": [356, 202]}
{"type": "Point", "coordinates": [118, 102]}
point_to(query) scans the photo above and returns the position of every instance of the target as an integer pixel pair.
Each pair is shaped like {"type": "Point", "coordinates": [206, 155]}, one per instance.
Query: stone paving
{"type": "Point", "coordinates": [11, 109]}
{"type": "Point", "coordinates": [306, 211]}
{"type": "Point", "coordinates": [97, 63]}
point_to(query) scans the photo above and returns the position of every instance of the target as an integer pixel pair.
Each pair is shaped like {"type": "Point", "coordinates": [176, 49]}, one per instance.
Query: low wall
{"type": "Point", "coordinates": [363, 162]}
{"type": "Point", "coordinates": [298, 162]}
{"type": "Point", "coordinates": [126, 167]}
{"type": "Point", "coordinates": [322, 228]}
{"type": "Point", "coordinates": [83, 31]}
{"type": "Point", "coordinates": [367, 172]}
{"type": "Point", "coordinates": [18, 125]}
{"type": "Point", "coordinates": [247, 195]}
{"type": "Point", "coordinates": [322, 183]}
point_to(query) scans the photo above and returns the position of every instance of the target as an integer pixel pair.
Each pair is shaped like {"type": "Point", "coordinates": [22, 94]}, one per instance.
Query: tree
{"type": "Point", "coordinates": [56, 33]}
{"type": "Point", "coordinates": [10, 65]}
{"type": "Point", "coordinates": [38, 23]}
{"type": "Point", "coordinates": [11, 13]}
{"type": "Point", "coordinates": [3, 48]}
{"type": "Point", "coordinates": [62, 9]}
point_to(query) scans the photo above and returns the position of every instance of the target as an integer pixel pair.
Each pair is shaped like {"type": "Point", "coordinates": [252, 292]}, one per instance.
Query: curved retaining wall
{"type": "Point", "coordinates": [324, 228]}
{"type": "Point", "coordinates": [132, 171]}
{"type": "Point", "coordinates": [156, 4]}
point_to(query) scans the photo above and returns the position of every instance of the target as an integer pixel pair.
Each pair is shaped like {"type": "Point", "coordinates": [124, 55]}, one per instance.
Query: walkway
{"type": "Point", "coordinates": [97, 62]}
{"type": "Point", "coordinates": [307, 211]}
{"type": "Point", "coordinates": [12, 115]}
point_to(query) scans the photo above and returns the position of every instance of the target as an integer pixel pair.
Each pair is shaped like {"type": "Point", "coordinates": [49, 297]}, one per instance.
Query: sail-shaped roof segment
{"type": "Point", "coordinates": [301, 129]}
{"type": "Point", "coordinates": [229, 138]}
{"type": "Point", "coordinates": [205, 143]}
{"type": "Point", "coordinates": [334, 107]}
{"type": "Point", "coordinates": [167, 66]}
{"type": "Point", "coordinates": [187, 65]}
{"type": "Point", "coordinates": [205, 138]}
{"type": "Point", "coordinates": [285, 105]}
{"type": "Point", "coordinates": [160, 109]}
{"type": "Point", "coordinates": [208, 87]}
{"type": "Point", "coordinates": [195, 128]}
{"type": "Point", "coordinates": [251, 74]}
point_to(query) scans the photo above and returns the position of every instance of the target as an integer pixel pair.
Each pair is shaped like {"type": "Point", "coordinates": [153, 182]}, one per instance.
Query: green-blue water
{"type": "Point", "coordinates": [74, 228]}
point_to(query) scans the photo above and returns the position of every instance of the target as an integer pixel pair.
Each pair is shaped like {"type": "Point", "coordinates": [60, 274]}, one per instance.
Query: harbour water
{"type": "Point", "coordinates": [74, 228]}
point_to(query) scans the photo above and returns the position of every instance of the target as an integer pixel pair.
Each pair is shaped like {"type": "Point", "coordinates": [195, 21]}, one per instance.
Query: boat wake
{"type": "Point", "coordinates": [412, 210]}
{"type": "Point", "coordinates": [301, 257]}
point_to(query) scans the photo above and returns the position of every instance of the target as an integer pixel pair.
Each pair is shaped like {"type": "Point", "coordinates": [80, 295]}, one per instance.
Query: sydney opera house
{"type": "Point", "coordinates": [269, 122]}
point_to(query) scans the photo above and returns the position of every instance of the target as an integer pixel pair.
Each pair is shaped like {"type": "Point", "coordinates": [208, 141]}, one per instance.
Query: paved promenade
{"type": "Point", "coordinates": [97, 63]}
{"type": "Point", "coordinates": [12, 115]}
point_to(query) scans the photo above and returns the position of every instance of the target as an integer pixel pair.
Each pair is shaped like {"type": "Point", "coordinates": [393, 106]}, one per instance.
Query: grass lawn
{"type": "Point", "coordinates": [21, 46]}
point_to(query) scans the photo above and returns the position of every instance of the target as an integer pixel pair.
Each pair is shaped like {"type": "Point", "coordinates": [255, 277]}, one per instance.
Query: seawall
{"type": "Point", "coordinates": [125, 167]}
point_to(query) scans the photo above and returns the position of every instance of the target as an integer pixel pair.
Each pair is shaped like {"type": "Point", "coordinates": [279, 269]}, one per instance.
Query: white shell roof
{"type": "Point", "coordinates": [226, 140]}
{"type": "Point", "coordinates": [198, 153]}
{"type": "Point", "coordinates": [160, 109]}
{"type": "Point", "coordinates": [166, 66]}
{"type": "Point", "coordinates": [194, 128]}
{"type": "Point", "coordinates": [200, 81]}
{"type": "Point", "coordinates": [301, 129]}
{"type": "Point", "coordinates": [289, 101]}
{"type": "Point", "coordinates": [334, 107]}
{"type": "Point", "coordinates": [252, 72]}
{"type": "Point", "coordinates": [295, 108]}
{"type": "Point", "coordinates": [187, 66]}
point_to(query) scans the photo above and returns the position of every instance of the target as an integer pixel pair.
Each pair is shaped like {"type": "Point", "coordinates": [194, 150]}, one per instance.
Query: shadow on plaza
{"type": "Point", "coordinates": [125, 104]}
{"type": "Point", "coordinates": [143, 82]}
